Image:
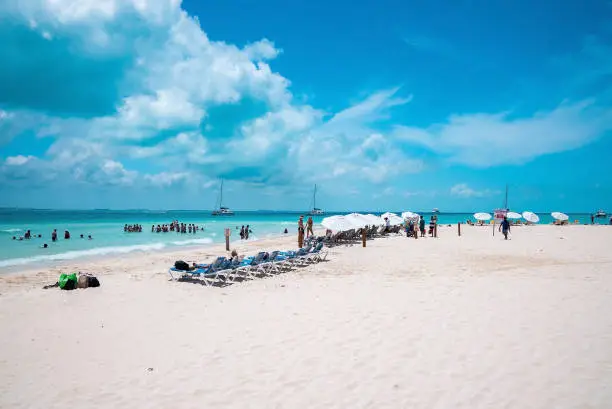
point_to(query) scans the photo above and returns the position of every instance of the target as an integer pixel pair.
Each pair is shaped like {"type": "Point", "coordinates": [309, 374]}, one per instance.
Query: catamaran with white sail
{"type": "Point", "coordinates": [221, 210]}
{"type": "Point", "coordinates": [315, 210]}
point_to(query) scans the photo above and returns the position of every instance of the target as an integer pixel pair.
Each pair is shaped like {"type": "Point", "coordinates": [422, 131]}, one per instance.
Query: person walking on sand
{"type": "Point", "coordinates": [309, 231]}
{"type": "Point", "coordinates": [504, 227]}
{"type": "Point", "coordinates": [422, 226]}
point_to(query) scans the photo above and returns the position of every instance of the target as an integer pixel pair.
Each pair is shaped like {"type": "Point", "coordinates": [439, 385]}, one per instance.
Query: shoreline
{"type": "Point", "coordinates": [29, 277]}
{"type": "Point", "coordinates": [32, 276]}
{"type": "Point", "coordinates": [50, 260]}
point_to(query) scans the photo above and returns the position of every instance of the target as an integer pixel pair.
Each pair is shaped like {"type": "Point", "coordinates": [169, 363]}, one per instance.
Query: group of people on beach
{"type": "Point", "coordinates": [134, 228]}
{"type": "Point", "coordinates": [309, 232]}
{"type": "Point", "coordinates": [177, 227]}
{"type": "Point", "coordinates": [412, 227]}
{"type": "Point", "coordinates": [244, 232]}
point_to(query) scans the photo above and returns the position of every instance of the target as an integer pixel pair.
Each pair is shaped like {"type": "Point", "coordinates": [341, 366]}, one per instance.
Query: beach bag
{"type": "Point", "coordinates": [92, 281]}
{"type": "Point", "coordinates": [82, 281]}
{"type": "Point", "coordinates": [67, 281]}
{"type": "Point", "coordinates": [181, 265]}
{"type": "Point", "coordinates": [87, 280]}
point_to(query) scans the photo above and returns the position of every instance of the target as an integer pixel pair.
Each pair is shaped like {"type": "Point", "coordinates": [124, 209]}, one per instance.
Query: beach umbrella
{"type": "Point", "coordinates": [358, 220]}
{"type": "Point", "coordinates": [337, 223]}
{"type": "Point", "coordinates": [513, 215]}
{"type": "Point", "coordinates": [410, 215]}
{"type": "Point", "coordinates": [374, 220]}
{"type": "Point", "coordinates": [482, 216]}
{"type": "Point", "coordinates": [531, 217]}
{"type": "Point", "coordinates": [393, 218]}
{"type": "Point", "coordinates": [560, 216]}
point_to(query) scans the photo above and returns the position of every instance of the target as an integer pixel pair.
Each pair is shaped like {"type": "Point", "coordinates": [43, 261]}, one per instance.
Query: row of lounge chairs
{"type": "Point", "coordinates": [228, 270]}
{"type": "Point", "coordinates": [354, 235]}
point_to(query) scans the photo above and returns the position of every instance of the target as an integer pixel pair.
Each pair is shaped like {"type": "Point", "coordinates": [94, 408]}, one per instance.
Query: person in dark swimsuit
{"type": "Point", "coordinates": [504, 227]}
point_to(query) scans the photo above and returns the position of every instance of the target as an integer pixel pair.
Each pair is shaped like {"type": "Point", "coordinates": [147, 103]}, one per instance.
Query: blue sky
{"type": "Point", "coordinates": [394, 105]}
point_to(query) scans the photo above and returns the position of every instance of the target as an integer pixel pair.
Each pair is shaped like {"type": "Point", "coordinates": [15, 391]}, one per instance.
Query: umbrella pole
{"type": "Point", "coordinates": [493, 227]}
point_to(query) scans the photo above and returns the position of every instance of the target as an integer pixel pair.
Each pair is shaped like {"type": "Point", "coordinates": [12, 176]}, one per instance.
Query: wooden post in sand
{"type": "Point", "coordinates": [363, 237]}
{"type": "Point", "coordinates": [227, 236]}
{"type": "Point", "coordinates": [459, 228]}
{"type": "Point", "coordinates": [436, 229]}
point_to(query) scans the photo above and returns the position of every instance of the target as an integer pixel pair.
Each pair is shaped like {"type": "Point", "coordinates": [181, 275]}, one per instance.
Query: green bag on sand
{"type": "Point", "coordinates": [68, 281]}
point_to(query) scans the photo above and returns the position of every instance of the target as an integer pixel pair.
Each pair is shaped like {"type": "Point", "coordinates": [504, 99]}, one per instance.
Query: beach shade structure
{"type": "Point", "coordinates": [358, 220]}
{"type": "Point", "coordinates": [513, 215]}
{"type": "Point", "coordinates": [482, 216]}
{"type": "Point", "coordinates": [337, 223]}
{"type": "Point", "coordinates": [374, 220]}
{"type": "Point", "coordinates": [410, 215]}
{"type": "Point", "coordinates": [562, 217]}
{"type": "Point", "coordinates": [393, 218]}
{"type": "Point", "coordinates": [531, 217]}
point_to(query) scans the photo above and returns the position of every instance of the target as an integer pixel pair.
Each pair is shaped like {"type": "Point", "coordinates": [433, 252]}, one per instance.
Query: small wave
{"type": "Point", "coordinates": [287, 223]}
{"type": "Point", "coordinates": [11, 230]}
{"type": "Point", "coordinates": [70, 255]}
{"type": "Point", "coordinates": [193, 241]}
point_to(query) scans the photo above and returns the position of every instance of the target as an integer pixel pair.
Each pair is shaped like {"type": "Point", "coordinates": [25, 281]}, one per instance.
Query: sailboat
{"type": "Point", "coordinates": [221, 210]}
{"type": "Point", "coordinates": [501, 213]}
{"type": "Point", "coordinates": [315, 211]}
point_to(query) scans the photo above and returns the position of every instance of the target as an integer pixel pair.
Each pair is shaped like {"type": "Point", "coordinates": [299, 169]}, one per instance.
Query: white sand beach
{"type": "Point", "coordinates": [453, 322]}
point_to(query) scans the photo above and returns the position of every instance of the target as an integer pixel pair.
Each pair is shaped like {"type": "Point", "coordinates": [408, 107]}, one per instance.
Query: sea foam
{"type": "Point", "coordinates": [70, 255]}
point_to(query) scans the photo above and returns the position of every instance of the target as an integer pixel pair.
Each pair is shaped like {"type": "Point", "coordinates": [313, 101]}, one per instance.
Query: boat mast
{"type": "Point", "coordinates": [314, 198]}
{"type": "Point", "coordinates": [506, 202]}
{"type": "Point", "coordinates": [221, 195]}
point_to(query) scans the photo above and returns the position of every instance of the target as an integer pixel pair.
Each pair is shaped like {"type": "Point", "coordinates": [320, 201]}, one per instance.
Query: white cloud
{"type": "Point", "coordinates": [262, 50]}
{"type": "Point", "coordinates": [464, 191]}
{"type": "Point", "coordinates": [167, 178]}
{"type": "Point", "coordinates": [483, 140]}
{"type": "Point", "coordinates": [17, 160]}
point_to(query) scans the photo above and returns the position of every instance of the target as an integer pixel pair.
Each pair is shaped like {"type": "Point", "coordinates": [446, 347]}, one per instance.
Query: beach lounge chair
{"type": "Point", "coordinates": [249, 266]}
{"type": "Point", "coordinates": [207, 272]}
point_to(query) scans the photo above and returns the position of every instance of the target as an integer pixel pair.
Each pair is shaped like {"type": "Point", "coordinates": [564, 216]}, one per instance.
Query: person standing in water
{"type": "Point", "coordinates": [504, 227]}
{"type": "Point", "coordinates": [54, 235]}
{"type": "Point", "coordinates": [309, 231]}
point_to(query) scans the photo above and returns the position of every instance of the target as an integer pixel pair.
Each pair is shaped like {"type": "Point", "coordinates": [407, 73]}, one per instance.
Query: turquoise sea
{"type": "Point", "coordinates": [108, 237]}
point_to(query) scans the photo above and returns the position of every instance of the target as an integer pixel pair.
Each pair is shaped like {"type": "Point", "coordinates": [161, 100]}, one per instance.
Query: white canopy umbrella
{"type": "Point", "coordinates": [359, 220]}
{"type": "Point", "coordinates": [337, 223]}
{"type": "Point", "coordinates": [393, 218]}
{"type": "Point", "coordinates": [562, 217]}
{"type": "Point", "coordinates": [410, 215]}
{"type": "Point", "coordinates": [513, 215]}
{"type": "Point", "coordinates": [531, 217]}
{"type": "Point", "coordinates": [374, 220]}
{"type": "Point", "coordinates": [482, 216]}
